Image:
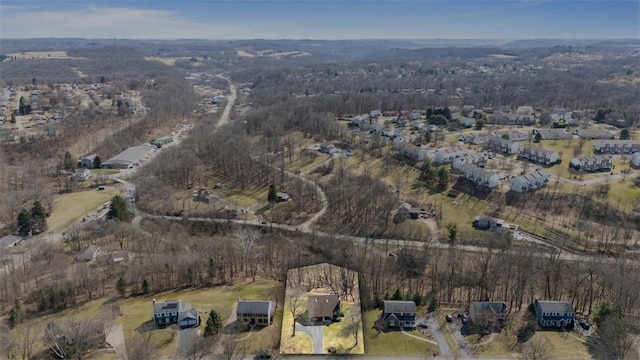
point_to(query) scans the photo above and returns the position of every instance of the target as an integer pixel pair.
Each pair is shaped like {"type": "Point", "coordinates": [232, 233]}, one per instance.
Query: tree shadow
{"type": "Point", "coordinates": [147, 326]}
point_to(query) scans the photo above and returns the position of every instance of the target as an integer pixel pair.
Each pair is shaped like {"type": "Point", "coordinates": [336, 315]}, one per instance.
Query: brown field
{"type": "Point", "coordinates": [28, 55]}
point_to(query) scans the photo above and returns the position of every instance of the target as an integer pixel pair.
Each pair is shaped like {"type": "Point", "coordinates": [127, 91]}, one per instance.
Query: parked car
{"type": "Point", "coordinates": [584, 324]}
{"type": "Point", "coordinates": [449, 318]}
{"type": "Point", "coordinates": [423, 325]}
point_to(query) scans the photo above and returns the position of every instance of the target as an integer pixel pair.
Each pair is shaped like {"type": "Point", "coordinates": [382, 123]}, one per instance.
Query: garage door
{"type": "Point", "coordinates": [188, 322]}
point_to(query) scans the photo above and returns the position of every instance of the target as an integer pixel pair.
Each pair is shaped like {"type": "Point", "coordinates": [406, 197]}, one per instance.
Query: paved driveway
{"type": "Point", "coordinates": [316, 334]}
{"type": "Point", "coordinates": [437, 334]}
{"type": "Point", "coordinates": [186, 338]}
{"type": "Point", "coordinates": [455, 328]}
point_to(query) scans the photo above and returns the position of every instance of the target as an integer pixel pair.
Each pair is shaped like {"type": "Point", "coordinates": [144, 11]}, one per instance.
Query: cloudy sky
{"type": "Point", "coordinates": [320, 19]}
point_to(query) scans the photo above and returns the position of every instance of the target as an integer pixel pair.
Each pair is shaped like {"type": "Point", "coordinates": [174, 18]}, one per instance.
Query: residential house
{"type": "Point", "coordinates": [530, 181]}
{"type": "Point", "coordinates": [174, 312]}
{"type": "Point", "coordinates": [475, 139]}
{"type": "Point", "coordinates": [399, 314]}
{"type": "Point", "coordinates": [410, 150]}
{"type": "Point", "coordinates": [635, 160]}
{"type": "Point", "coordinates": [592, 163]}
{"type": "Point", "coordinates": [617, 146]}
{"type": "Point", "coordinates": [260, 312]}
{"type": "Point", "coordinates": [375, 114]}
{"type": "Point", "coordinates": [471, 158]}
{"type": "Point", "coordinates": [539, 155]}
{"type": "Point", "coordinates": [115, 257]}
{"type": "Point", "coordinates": [282, 197]}
{"type": "Point", "coordinates": [498, 144]}
{"type": "Point", "coordinates": [554, 313]}
{"type": "Point", "coordinates": [594, 134]}
{"type": "Point", "coordinates": [486, 314]}
{"type": "Point", "coordinates": [328, 149]}
{"type": "Point", "coordinates": [446, 155]}
{"type": "Point", "coordinates": [487, 223]}
{"type": "Point", "coordinates": [88, 161]}
{"type": "Point", "coordinates": [552, 134]}
{"type": "Point", "coordinates": [513, 135]}
{"type": "Point", "coordinates": [82, 174]}
{"type": "Point", "coordinates": [465, 121]}
{"type": "Point", "coordinates": [323, 309]}
{"type": "Point", "coordinates": [479, 176]}
{"type": "Point", "coordinates": [88, 253]}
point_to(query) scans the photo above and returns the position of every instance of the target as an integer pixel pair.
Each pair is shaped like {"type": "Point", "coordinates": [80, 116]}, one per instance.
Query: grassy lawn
{"type": "Point", "coordinates": [35, 326]}
{"type": "Point", "coordinates": [250, 196]}
{"type": "Point", "coordinates": [138, 310]}
{"type": "Point", "coordinates": [104, 171]}
{"type": "Point", "coordinates": [299, 344]}
{"type": "Point", "coordinates": [391, 343]}
{"type": "Point", "coordinates": [411, 229]}
{"type": "Point", "coordinates": [338, 334]}
{"type": "Point", "coordinates": [69, 208]}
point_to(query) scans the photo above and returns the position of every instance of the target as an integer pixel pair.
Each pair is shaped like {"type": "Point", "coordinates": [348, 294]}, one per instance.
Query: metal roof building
{"type": "Point", "coordinates": [127, 158]}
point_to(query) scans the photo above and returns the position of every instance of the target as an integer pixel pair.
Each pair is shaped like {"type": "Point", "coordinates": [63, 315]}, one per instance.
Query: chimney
{"type": "Point", "coordinates": [154, 301]}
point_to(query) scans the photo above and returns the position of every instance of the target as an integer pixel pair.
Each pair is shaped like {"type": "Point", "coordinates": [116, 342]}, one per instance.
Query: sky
{"type": "Point", "coordinates": [320, 19]}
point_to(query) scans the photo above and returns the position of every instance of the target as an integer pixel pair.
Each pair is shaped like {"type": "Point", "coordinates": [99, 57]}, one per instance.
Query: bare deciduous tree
{"type": "Point", "coordinates": [537, 349]}
{"type": "Point", "coordinates": [296, 306]}
{"type": "Point", "coordinates": [140, 347]}
{"type": "Point", "coordinates": [75, 338]}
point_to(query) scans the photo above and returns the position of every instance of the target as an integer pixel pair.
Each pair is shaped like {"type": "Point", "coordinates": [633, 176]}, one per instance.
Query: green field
{"type": "Point", "coordinates": [71, 207]}
{"type": "Point", "coordinates": [138, 310]}
{"type": "Point", "coordinates": [392, 342]}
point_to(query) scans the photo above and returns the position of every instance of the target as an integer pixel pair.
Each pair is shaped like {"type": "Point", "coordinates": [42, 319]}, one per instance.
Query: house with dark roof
{"type": "Point", "coordinates": [255, 312]}
{"type": "Point", "coordinates": [88, 253]}
{"type": "Point", "coordinates": [399, 314]}
{"type": "Point", "coordinates": [488, 314]}
{"type": "Point", "coordinates": [322, 309]}
{"type": "Point", "coordinates": [174, 312]}
{"type": "Point", "coordinates": [558, 314]}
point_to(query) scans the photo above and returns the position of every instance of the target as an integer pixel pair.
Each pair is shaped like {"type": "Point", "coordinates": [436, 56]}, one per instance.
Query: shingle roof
{"type": "Point", "coordinates": [255, 307]}
{"type": "Point", "coordinates": [321, 305]}
{"type": "Point", "coordinates": [499, 308]}
{"type": "Point", "coordinates": [555, 306]}
{"type": "Point", "coordinates": [160, 307]}
{"type": "Point", "coordinates": [394, 306]}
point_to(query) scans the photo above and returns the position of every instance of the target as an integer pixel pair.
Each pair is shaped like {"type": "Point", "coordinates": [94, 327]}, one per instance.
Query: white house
{"type": "Point", "coordinates": [498, 144]}
{"type": "Point", "coordinates": [479, 176]}
{"type": "Point", "coordinates": [534, 180]}
{"type": "Point", "coordinates": [471, 158]}
{"type": "Point", "coordinates": [592, 163]}
{"type": "Point", "coordinates": [82, 174]}
{"type": "Point", "coordinates": [410, 150]}
{"type": "Point", "coordinates": [446, 155]}
{"type": "Point", "coordinates": [635, 159]}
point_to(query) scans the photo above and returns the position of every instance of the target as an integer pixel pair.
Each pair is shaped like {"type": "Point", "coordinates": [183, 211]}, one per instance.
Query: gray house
{"type": "Point", "coordinates": [488, 314]}
{"type": "Point", "coordinates": [88, 162]}
{"type": "Point", "coordinates": [558, 314]}
{"type": "Point", "coordinates": [252, 313]}
{"type": "Point", "coordinates": [399, 314]}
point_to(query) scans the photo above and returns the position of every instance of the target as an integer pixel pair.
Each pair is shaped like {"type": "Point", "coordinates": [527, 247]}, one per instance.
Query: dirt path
{"type": "Point", "coordinates": [227, 330]}
{"type": "Point", "coordinates": [115, 338]}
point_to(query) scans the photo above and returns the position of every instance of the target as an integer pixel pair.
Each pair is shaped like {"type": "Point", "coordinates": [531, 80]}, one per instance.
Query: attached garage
{"type": "Point", "coordinates": [188, 318]}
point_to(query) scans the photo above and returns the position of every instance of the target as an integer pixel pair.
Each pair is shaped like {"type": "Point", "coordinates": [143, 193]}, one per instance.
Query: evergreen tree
{"type": "Point", "coordinates": [397, 295]}
{"type": "Point", "coordinates": [145, 286]}
{"type": "Point", "coordinates": [537, 138]}
{"type": "Point", "coordinates": [97, 162]}
{"type": "Point", "coordinates": [624, 134]}
{"type": "Point", "coordinates": [16, 314]}
{"type": "Point", "coordinates": [272, 197]}
{"type": "Point", "coordinates": [24, 222]}
{"type": "Point", "coordinates": [38, 217]}
{"type": "Point", "coordinates": [214, 324]}
{"type": "Point", "coordinates": [121, 286]}
{"type": "Point", "coordinates": [68, 163]}
{"type": "Point", "coordinates": [119, 209]}
{"type": "Point", "coordinates": [443, 177]}
{"type": "Point", "coordinates": [452, 229]}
